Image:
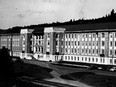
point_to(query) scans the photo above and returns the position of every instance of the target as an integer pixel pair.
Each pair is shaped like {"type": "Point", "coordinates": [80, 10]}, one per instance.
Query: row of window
{"type": "Point", "coordinates": [38, 37]}
{"type": "Point", "coordinates": [84, 35]}
{"type": "Point", "coordinates": [38, 49]}
{"type": "Point", "coordinates": [82, 51]}
{"type": "Point", "coordinates": [83, 43]}
{"type": "Point", "coordinates": [84, 59]}
{"type": "Point", "coordinates": [39, 42]}
{"type": "Point", "coordinates": [101, 34]}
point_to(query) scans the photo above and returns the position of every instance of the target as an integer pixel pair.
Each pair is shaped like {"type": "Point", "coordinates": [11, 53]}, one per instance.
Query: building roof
{"type": "Point", "coordinates": [39, 30]}
{"type": "Point", "coordinates": [91, 27]}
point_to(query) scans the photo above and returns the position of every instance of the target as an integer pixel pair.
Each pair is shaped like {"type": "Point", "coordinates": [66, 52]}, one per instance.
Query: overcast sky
{"type": "Point", "coordinates": [29, 12]}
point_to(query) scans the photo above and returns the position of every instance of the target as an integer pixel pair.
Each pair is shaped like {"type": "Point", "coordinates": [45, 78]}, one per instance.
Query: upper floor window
{"type": "Point", "coordinates": [103, 43]}
{"type": "Point", "coordinates": [110, 52]}
{"type": "Point", "coordinates": [103, 35]}
{"type": "Point", "coordinates": [110, 43]}
{"type": "Point", "coordinates": [115, 43]}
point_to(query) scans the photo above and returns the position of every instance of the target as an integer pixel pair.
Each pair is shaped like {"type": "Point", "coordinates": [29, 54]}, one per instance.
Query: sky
{"type": "Point", "coordinates": [32, 12]}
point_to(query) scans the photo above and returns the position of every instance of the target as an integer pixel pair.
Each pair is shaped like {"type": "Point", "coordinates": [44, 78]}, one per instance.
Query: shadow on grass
{"type": "Point", "coordinates": [91, 79]}
{"type": "Point", "coordinates": [35, 71]}
{"type": "Point", "coordinates": [76, 75]}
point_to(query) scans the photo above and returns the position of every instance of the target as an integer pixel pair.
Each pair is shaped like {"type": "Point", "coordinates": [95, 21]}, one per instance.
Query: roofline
{"type": "Point", "coordinates": [96, 30]}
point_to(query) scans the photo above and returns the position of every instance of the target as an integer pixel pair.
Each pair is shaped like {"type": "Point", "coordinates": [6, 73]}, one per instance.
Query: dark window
{"type": "Point", "coordinates": [110, 52]}
{"type": "Point", "coordinates": [68, 57]}
{"type": "Point", "coordinates": [78, 58]}
{"type": "Point", "coordinates": [82, 50]}
{"type": "Point", "coordinates": [103, 43]}
{"type": "Point", "coordinates": [110, 60]}
{"type": "Point", "coordinates": [72, 35]}
{"type": "Point", "coordinates": [103, 35]}
{"type": "Point", "coordinates": [96, 60]}
{"type": "Point", "coordinates": [89, 59]}
{"type": "Point", "coordinates": [75, 50]}
{"type": "Point", "coordinates": [115, 61]}
{"type": "Point", "coordinates": [102, 51]}
{"type": "Point", "coordinates": [115, 43]}
{"type": "Point", "coordinates": [110, 43]}
{"type": "Point", "coordinates": [48, 43]}
{"type": "Point", "coordinates": [75, 58]}
{"type": "Point", "coordinates": [47, 53]}
{"type": "Point", "coordinates": [69, 35]}
{"type": "Point", "coordinates": [93, 51]}
{"type": "Point", "coordinates": [75, 43]}
{"type": "Point", "coordinates": [93, 59]}
{"type": "Point", "coordinates": [89, 51]}
{"type": "Point", "coordinates": [72, 58]}
{"type": "Point", "coordinates": [78, 43]}
{"type": "Point", "coordinates": [103, 60]}
{"type": "Point", "coordinates": [97, 51]}
{"type": "Point", "coordinates": [69, 42]}
{"type": "Point", "coordinates": [65, 57]}
{"type": "Point", "coordinates": [115, 52]}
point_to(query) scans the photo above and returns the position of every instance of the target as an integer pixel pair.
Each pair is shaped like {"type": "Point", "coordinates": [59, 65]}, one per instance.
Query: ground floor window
{"type": "Point", "coordinates": [115, 61]}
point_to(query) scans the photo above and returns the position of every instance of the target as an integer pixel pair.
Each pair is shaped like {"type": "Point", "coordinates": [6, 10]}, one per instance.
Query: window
{"type": "Point", "coordinates": [102, 51]}
{"type": "Point", "coordinates": [89, 43]}
{"type": "Point", "coordinates": [89, 51]}
{"type": "Point", "coordinates": [68, 57]}
{"type": "Point", "coordinates": [115, 43]}
{"type": "Point", "coordinates": [93, 59]}
{"type": "Point", "coordinates": [110, 60]}
{"type": "Point", "coordinates": [75, 50]}
{"type": "Point", "coordinates": [66, 42]}
{"type": "Point", "coordinates": [82, 50]}
{"type": "Point", "coordinates": [103, 35]}
{"type": "Point", "coordinates": [110, 52]}
{"type": "Point", "coordinates": [48, 43]}
{"type": "Point", "coordinates": [110, 43]}
{"type": "Point", "coordinates": [89, 59]}
{"type": "Point", "coordinates": [78, 43]}
{"type": "Point", "coordinates": [72, 50]}
{"type": "Point", "coordinates": [82, 58]}
{"type": "Point", "coordinates": [72, 58]}
{"type": "Point", "coordinates": [69, 35]}
{"type": "Point", "coordinates": [75, 43]}
{"type": "Point", "coordinates": [101, 60]}
{"type": "Point", "coordinates": [93, 51]}
{"type": "Point", "coordinates": [72, 35]}
{"type": "Point", "coordinates": [75, 58]}
{"type": "Point", "coordinates": [78, 58]}
{"type": "Point", "coordinates": [65, 57]}
{"type": "Point", "coordinates": [103, 43]}
{"type": "Point", "coordinates": [97, 43]}
{"type": "Point", "coordinates": [115, 52]}
{"type": "Point", "coordinates": [115, 61]}
{"type": "Point", "coordinates": [69, 42]}
{"type": "Point", "coordinates": [66, 50]}
{"type": "Point", "coordinates": [96, 51]}
{"type": "Point", "coordinates": [96, 60]}
{"type": "Point", "coordinates": [86, 51]}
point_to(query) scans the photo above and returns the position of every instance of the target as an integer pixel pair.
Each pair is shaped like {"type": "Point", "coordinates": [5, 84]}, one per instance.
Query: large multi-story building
{"type": "Point", "coordinates": [84, 43]}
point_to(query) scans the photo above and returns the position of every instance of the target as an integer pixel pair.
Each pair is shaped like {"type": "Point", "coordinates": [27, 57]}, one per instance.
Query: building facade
{"type": "Point", "coordinates": [93, 44]}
